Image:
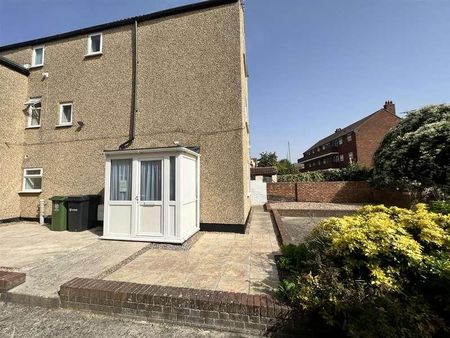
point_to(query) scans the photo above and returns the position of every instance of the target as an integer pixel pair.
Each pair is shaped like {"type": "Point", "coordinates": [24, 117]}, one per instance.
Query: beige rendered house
{"type": "Point", "coordinates": [149, 112]}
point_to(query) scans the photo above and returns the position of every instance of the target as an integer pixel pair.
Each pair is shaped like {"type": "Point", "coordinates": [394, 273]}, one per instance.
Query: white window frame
{"type": "Point", "coordinates": [340, 141]}
{"type": "Point", "coordinates": [341, 158]}
{"type": "Point", "coordinates": [29, 119]}
{"type": "Point", "coordinates": [89, 44]}
{"type": "Point", "coordinates": [33, 57]}
{"type": "Point", "coordinates": [61, 109]}
{"type": "Point", "coordinates": [25, 175]}
{"type": "Point", "coordinates": [349, 137]}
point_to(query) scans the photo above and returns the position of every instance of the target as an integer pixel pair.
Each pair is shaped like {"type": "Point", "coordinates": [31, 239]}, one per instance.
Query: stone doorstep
{"type": "Point", "coordinates": [10, 279]}
{"type": "Point", "coordinates": [230, 310]}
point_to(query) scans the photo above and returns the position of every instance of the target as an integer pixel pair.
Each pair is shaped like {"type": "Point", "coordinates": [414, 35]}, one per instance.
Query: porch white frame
{"type": "Point", "coordinates": [137, 155]}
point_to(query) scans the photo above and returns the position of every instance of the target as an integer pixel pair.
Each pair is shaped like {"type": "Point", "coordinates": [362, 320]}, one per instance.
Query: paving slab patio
{"type": "Point", "coordinates": [51, 258]}
{"type": "Point", "coordinates": [217, 261]}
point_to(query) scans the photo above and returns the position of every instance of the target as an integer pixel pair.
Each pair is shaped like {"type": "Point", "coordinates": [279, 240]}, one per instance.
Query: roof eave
{"type": "Point", "coordinates": [14, 66]}
{"type": "Point", "coordinates": [146, 17]}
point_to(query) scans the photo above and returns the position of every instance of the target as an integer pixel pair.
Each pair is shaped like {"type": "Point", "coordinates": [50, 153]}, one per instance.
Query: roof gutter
{"type": "Point", "coordinates": [134, 67]}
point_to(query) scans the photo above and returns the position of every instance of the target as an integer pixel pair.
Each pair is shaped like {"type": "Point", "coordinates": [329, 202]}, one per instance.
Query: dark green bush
{"type": "Point", "coordinates": [383, 272]}
{"type": "Point", "coordinates": [351, 173]}
{"type": "Point", "coordinates": [442, 207]}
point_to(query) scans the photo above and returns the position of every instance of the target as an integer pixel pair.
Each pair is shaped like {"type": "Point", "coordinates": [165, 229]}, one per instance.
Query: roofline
{"type": "Point", "coordinates": [372, 115]}
{"type": "Point", "coordinates": [140, 18]}
{"type": "Point", "coordinates": [14, 66]}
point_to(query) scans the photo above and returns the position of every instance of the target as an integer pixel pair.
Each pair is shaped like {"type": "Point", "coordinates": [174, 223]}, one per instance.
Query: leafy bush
{"type": "Point", "coordinates": [351, 173]}
{"type": "Point", "coordinates": [442, 207]}
{"type": "Point", "coordinates": [415, 155]}
{"type": "Point", "coordinates": [383, 272]}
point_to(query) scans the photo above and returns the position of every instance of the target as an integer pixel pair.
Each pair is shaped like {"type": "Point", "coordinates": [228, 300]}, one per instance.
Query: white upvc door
{"type": "Point", "coordinates": [150, 197]}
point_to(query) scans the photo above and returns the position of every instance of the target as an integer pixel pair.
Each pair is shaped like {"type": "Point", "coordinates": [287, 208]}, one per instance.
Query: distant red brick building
{"type": "Point", "coordinates": [355, 143]}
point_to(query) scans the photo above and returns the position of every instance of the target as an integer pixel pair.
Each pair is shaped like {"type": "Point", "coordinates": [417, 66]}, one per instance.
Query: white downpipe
{"type": "Point", "coordinates": [41, 211]}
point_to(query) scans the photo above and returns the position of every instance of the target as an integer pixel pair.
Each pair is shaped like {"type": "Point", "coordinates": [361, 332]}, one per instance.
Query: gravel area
{"type": "Point", "coordinates": [23, 321]}
{"type": "Point", "coordinates": [300, 227]}
{"type": "Point", "coordinates": [314, 206]}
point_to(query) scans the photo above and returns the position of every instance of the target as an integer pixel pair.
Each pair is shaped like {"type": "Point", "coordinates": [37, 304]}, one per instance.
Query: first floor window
{"type": "Point", "coordinates": [32, 179]}
{"type": "Point", "coordinates": [349, 137]}
{"type": "Point", "coordinates": [350, 156]}
{"type": "Point", "coordinates": [34, 113]}
{"type": "Point", "coordinates": [95, 43]}
{"type": "Point", "coordinates": [341, 157]}
{"type": "Point", "coordinates": [38, 57]}
{"type": "Point", "coordinates": [65, 114]}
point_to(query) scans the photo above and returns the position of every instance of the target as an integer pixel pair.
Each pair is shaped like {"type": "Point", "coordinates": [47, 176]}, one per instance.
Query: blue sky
{"type": "Point", "coordinates": [314, 65]}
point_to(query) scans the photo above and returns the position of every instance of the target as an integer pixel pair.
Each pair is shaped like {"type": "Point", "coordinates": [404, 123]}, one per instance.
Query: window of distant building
{"type": "Point", "coordinates": [341, 157]}
{"type": "Point", "coordinates": [349, 137]}
{"type": "Point", "coordinates": [340, 140]}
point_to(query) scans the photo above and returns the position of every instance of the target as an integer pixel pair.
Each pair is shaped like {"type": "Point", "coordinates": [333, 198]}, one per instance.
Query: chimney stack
{"type": "Point", "coordinates": [338, 130]}
{"type": "Point", "coordinates": [390, 107]}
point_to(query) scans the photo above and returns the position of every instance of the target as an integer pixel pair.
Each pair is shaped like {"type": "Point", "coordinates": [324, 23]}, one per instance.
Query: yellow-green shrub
{"type": "Point", "coordinates": [389, 265]}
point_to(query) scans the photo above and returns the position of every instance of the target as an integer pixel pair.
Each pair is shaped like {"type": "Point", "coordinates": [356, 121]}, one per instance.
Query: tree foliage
{"type": "Point", "coordinates": [353, 172]}
{"type": "Point", "coordinates": [383, 272]}
{"type": "Point", "coordinates": [267, 159]}
{"type": "Point", "coordinates": [415, 155]}
{"type": "Point", "coordinates": [285, 167]}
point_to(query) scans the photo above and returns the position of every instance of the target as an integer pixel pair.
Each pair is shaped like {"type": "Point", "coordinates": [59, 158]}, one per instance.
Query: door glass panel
{"type": "Point", "coordinates": [172, 178]}
{"type": "Point", "coordinates": [151, 173]}
{"type": "Point", "coordinates": [121, 180]}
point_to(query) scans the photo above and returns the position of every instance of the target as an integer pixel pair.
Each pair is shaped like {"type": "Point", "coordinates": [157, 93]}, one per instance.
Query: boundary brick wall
{"type": "Point", "coordinates": [239, 312]}
{"type": "Point", "coordinates": [335, 192]}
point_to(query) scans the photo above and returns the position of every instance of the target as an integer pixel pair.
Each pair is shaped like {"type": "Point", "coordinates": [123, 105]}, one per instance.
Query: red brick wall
{"type": "Point", "coordinates": [335, 192]}
{"type": "Point", "coordinates": [281, 192]}
{"type": "Point", "coordinates": [371, 133]}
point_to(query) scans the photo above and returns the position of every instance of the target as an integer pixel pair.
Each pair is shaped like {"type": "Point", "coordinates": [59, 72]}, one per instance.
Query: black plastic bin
{"type": "Point", "coordinates": [82, 212]}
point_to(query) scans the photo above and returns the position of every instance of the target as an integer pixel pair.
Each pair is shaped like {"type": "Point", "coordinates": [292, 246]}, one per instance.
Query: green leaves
{"type": "Point", "coordinates": [390, 265]}
{"type": "Point", "coordinates": [415, 155]}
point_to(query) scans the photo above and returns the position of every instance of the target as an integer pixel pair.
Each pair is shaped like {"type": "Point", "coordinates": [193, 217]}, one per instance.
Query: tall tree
{"type": "Point", "coordinates": [267, 159]}
{"type": "Point", "coordinates": [416, 154]}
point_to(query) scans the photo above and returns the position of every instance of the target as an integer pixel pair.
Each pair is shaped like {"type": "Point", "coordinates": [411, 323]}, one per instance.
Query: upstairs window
{"type": "Point", "coordinates": [349, 137]}
{"type": "Point", "coordinates": [38, 57]}
{"type": "Point", "coordinates": [65, 114]}
{"type": "Point", "coordinates": [340, 140]}
{"type": "Point", "coordinates": [32, 180]}
{"type": "Point", "coordinates": [34, 113]}
{"type": "Point", "coordinates": [95, 44]}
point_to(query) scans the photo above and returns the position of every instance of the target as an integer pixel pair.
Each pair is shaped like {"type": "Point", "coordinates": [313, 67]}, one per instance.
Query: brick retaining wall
{"type": "Point", "coordinates": [10, 279]}
{"type": "Point", "coordinates": [215, 309]}
{"type": "Point", "coordinates": [335, 192]}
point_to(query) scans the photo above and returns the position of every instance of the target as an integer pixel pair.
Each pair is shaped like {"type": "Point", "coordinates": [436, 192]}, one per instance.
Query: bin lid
{"type": "Point", "coordinates": [58, 198]}
{"type": "Point", "coordinates": [81, 198]}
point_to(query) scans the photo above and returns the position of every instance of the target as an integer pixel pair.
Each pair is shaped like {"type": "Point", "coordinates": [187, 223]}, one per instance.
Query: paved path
{"type": "Point", "coordinates": [22, 321]}
{"type": "Point", "coordinates": [218, 261]}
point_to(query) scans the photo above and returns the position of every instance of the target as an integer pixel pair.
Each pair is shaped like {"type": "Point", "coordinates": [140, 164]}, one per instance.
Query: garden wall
{"type": "Point", "coordinates": [335, 192]}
